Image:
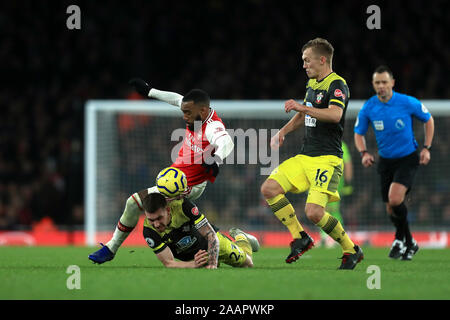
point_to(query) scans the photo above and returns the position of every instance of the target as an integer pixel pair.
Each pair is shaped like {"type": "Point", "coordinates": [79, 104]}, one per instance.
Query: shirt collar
{"type": "Point", "coordinates": [318, 81]}
{"type": "Point", "coordinates": [211, 112]}
{"type": "Point", "coordinates": [390, 101]}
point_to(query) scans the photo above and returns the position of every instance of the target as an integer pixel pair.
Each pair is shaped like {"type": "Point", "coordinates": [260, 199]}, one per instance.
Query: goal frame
{"type": "Point", "coordinates": [259, 109]}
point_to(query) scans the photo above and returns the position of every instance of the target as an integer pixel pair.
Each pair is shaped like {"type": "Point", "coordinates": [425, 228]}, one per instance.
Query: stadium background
{"type": "Point", "coordinates": [243, 50]}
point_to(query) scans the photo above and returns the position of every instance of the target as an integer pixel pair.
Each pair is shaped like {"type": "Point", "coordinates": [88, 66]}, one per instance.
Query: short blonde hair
{"type": "Point", "coordinates": [321, 47]}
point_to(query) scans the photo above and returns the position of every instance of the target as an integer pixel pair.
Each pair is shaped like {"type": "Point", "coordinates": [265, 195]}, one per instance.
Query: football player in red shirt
{"type": "Point", "coordinates": [206, 144]}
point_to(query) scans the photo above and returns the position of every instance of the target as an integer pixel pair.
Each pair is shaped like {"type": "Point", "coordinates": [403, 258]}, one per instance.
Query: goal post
{"type": "Point", "coordinates": [127, 142]}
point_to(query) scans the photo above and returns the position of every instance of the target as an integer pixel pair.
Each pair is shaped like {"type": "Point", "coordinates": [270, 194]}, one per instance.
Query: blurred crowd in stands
{"type": "Point", "coordinates": [247, 50]}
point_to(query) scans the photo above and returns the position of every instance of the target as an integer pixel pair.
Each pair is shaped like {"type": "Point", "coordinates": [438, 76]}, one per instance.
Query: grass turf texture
{"type": "Point", "coordinates": [135, 273]}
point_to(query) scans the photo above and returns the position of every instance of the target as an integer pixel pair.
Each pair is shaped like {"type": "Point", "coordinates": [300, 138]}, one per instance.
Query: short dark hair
{"type": "Point", "coordinates": [153, 202]}
{"type": "Point", "coordinates": [383, 68]}
{"type": "Point", "coordinates": [198, 96]}
{"type": "Point", "coordinates": [321, 47]}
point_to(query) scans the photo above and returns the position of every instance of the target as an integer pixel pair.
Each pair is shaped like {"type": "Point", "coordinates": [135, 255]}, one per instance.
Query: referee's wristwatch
{"type": "Point", "coordinates": [427, 147]}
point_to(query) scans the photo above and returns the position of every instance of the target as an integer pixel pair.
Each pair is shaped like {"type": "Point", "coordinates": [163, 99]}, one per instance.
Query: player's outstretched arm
{"type": "Point", "coordinates": [144, 89]}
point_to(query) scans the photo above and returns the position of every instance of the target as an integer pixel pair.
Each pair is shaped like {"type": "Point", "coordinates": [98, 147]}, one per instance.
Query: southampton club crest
{"type": "Point", "coordinates": [319, 97]}
{"type": "Point", "coordinates": [150, 242]}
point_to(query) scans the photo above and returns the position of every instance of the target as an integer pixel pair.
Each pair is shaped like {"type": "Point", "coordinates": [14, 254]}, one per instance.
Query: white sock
{"type": "Point", "coordinates": [126, 224]}
{"type": "Point", "coordinates": [117, 239]}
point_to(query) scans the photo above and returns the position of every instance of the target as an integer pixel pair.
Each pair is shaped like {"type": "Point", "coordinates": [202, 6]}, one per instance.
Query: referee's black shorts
{"type": "Point", "coordinates": [400, 170]}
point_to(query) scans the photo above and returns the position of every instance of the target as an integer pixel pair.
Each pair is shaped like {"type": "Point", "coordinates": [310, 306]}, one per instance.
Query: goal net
{"type": "Point", "coordinates": [129, 142]}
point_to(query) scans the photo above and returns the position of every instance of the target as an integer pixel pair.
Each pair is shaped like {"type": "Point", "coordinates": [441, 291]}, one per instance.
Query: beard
{"type": "Point", "coordinates": [191, 126]}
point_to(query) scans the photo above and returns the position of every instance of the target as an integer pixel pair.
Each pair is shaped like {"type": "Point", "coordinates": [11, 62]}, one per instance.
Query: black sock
{"type": "Point", "coordinates": [401, 213]}
{"type": "Point", "coordinates": [399, 232]}
{"type": "Point", "coordinates": [408, 235]}
{"type": "Point", "coordinates": [303, 234]}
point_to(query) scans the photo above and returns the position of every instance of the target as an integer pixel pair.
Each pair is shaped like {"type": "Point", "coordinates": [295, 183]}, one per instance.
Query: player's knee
{"type": "Point", "coordinates": [265, 190]}
{"type": "Point", "coordinates": [270, 189]}
{"type": "Point", "coordinates": [131, 213]}
{"type": "Point", "coordinates": [395, 200]}
{"type": "Point", "coordinates": [130, 201]}
{"type": "Point", "coordinates": [314, 213]}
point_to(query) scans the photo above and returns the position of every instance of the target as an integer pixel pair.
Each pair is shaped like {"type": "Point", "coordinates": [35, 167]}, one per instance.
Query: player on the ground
{"type": "Point", "coordinates": [182, 237]}
{"type": "Point", "coordinates": [206, 144]}
{"type": "Point", "coordinates": [391, 116]}
{"type": "Point", "coordinates": [318, 167]}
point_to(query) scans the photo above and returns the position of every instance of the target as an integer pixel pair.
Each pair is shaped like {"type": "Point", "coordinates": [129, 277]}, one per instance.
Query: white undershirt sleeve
{"type": "Point", "coordinates": [172, 98]}
{"type": "Point", "coordinates": [218, 137]}
{"type": "Point", "coordinates": [224, 146]}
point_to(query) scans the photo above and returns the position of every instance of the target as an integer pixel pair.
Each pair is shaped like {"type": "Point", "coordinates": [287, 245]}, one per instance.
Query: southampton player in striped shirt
{"type": "Point", "coordinates": [182, 237]}
{"type": "Point", "coordinates": [199, 157]}
{"type": "Point", "coordinates": [318, 167]}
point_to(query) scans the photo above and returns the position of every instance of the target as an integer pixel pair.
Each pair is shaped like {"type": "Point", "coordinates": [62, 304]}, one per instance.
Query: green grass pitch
{"type": "Point", "coordinates": [135, 273]}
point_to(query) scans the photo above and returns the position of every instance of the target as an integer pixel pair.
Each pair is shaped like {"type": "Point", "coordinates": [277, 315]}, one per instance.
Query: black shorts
{"type": "Point", "coordinates": [400, 170]}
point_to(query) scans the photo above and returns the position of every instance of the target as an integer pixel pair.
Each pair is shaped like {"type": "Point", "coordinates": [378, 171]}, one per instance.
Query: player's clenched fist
{"type": "Point", "coordinates": [367, 160]}
{"type": "Point", "coordinates": [425, 156]}
{"type": "Point", "coordinates": [292, 105]}
{"type": "Point", "coordinates": [277, 141]}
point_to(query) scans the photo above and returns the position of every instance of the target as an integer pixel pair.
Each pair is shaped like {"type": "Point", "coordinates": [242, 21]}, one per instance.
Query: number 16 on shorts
{"type": "Point", "coordinates": [321, 177]}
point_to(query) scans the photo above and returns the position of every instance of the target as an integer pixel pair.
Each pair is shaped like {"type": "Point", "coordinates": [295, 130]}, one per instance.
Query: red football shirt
{"type": "Point", "coordinates": [195, 144]}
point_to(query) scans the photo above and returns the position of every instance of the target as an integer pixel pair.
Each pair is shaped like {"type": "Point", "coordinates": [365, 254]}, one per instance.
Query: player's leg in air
{"type": "Point", "coordinates": [274, 190]}
{"type": "Point", "coordinates": [240, 252]}
{"type": "Point", "coordinates": [126, 224]}
{"type": "Point", "coordinates": [128, 221]}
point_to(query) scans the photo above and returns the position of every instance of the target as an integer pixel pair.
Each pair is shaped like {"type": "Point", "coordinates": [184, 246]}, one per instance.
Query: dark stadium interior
{"type": "Point", "coordinates": [246, 50]}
